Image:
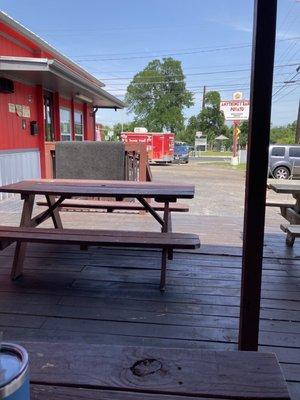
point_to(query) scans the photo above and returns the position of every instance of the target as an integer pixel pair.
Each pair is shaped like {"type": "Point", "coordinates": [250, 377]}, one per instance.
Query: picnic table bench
{"type": "Point", "coordinates": [290, 211]}
{"type": "Point", "coordinates": [82, 371]}
{"type": "Point", "coordinates": [110, 206]}
{"type": "Point", "coordinates": [56, 191]}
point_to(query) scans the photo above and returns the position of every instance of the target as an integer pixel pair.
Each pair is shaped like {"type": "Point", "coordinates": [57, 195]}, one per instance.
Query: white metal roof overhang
{"type": "Point", "coordinates": [55, 76]}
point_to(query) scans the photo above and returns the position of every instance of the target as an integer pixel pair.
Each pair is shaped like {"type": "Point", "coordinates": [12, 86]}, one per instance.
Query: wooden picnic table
{"type": "Point", "coordinates": [291, 212]}
{"type": "Point", "coordinates": [58, 190]}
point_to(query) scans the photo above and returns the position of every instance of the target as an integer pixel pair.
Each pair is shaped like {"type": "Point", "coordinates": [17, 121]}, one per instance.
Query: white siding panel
{"type": "Point", "coordinates": [17, 166]}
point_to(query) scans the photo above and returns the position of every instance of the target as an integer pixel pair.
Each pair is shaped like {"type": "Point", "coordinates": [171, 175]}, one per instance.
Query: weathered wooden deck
{"type": "Point", "coordinates": [111, 296]}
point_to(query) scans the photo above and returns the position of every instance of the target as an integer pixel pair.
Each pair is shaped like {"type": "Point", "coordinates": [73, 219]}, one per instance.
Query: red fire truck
{"type": "Point", "coordinates": [160, 145]}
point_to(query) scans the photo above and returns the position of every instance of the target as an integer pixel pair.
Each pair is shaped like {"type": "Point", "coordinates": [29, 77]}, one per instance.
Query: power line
{"type": "Point", "coordinates": [286, 16]}
{"type": "Point", "coordinates": [286, 94]}
{"type": "Point", "coordinates": [155, 54]}
{"type": "Point", "coordinates": [187, 49]}
{"type": "Point", "coordinates": [233, 84]}
{"type": "Point", "coordinates": [211, 88]}
{"type": "Point", "coordinates": [202, 73]}
{"type": "Point", "coordinates": [162, 55]}
{"type": "Point", "coordinates": [101, 71]}
{"type": "Point", "coordinates": [285, 83]}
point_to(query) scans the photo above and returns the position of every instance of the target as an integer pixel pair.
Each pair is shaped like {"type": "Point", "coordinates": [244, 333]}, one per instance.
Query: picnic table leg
{"type": "Point", "coordinates": [290, 240]}
{"type": "Point", "coordinates": [20, 250]}
{"type": "Point", "coordinates": [164, 255]}
{"type": "Point", "coordinates": [55, 213]}
{"type": "Point", "coordinates": [292, 218]}
{"type": "Point", "coordinates": [167, 227]}
{"type": "Point", "coordinates": [170, 252]}
{"type": "Point", "coordinates": [166, 252]}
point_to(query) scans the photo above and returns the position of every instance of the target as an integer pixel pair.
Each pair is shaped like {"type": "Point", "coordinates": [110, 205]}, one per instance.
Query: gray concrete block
{"type": "Point", "coordinates": [90, 160]}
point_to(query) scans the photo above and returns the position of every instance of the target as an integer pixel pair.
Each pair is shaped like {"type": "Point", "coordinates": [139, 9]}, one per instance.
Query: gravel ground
{"type": "Point", "coordinates": [219, 201]}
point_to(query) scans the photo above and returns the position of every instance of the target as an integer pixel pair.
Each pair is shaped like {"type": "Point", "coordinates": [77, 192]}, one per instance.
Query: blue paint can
{"type": "Point", "coordinates": [14, 375]}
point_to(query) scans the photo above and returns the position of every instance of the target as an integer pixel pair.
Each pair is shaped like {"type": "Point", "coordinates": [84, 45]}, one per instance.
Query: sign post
{"type": "Point", "coordinates": [235, 110]}
{"type": "Point", "coordinates": [236, 133]}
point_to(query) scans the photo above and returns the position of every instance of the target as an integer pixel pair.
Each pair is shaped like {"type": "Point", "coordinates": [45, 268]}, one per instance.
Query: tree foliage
{"type": "Point", "coordinates": [157, 96]}
{"type": "Point", "coordinates": [278, 134]}
{"type": "Point", "coordinates": [126, 127]}
{"type": "Point", "coordinates": [283, 134]}
{"type": "Point", "coordinates": [210, 120]}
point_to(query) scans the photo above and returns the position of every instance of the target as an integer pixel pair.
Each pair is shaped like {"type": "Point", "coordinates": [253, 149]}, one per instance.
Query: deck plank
{"type": "Point", "coordinates": [238, 375]}
{"type": "Point", "coordinates": [47, 392]}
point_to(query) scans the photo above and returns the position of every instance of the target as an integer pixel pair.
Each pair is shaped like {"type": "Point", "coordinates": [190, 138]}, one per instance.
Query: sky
{"type": "Point", "coordinates": [114, 40]}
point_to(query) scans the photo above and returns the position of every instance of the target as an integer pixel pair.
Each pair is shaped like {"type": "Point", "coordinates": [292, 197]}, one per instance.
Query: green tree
{"type": "Point", "coordinates": [210, 120]}
{"type": "Point", "coordinates": [278, 134]}
{"type": "Point", "coordinates": [192, 127]}
{"type": "Point", "coordinates": [283, 134]}
{"type": "Point", "coordinates": [126, 127]}
{"type": "Point", "coordinates": [157, 96]}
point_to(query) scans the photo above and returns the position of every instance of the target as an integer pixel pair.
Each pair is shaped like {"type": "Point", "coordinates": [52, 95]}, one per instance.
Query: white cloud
{"type": "Point", "coordinates": [246, 27]}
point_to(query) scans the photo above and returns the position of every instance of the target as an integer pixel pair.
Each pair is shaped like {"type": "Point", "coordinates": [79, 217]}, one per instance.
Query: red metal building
{"type": "Point", "coordinates": [44, 97]}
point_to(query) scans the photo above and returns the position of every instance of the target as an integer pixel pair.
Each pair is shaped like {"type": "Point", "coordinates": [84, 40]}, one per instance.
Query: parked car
{"type": "Point", "coordinates": [181, 152]}
{"type": "Point", "coordinates": [284, 161]}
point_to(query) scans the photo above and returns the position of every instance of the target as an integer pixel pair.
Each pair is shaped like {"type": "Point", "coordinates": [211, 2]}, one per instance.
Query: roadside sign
{"type": "Point", "coordinates": [235, 110]}
{"type": "Point", "coordinates": [201, 143]}
{"type": "Point", "coordinates": [237, 95]}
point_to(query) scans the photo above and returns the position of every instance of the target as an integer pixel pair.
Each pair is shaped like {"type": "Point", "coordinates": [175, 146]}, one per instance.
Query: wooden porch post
{"type": "Point", "coordinates": [264, 31]}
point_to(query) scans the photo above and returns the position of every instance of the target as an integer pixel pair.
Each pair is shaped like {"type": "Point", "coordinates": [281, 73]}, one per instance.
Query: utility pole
{"type": "Point", "coordinates": [297, 137]}
{"type": "Point", "coordinates": [203, 97]}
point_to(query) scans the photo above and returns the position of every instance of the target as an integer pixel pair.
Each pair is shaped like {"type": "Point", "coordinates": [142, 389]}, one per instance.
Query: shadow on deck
{"type": "Point", "coordinates": [111, 296]}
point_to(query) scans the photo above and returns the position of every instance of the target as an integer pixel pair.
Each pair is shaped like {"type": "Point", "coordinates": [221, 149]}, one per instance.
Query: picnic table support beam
{"type": "Point", "coordinates": [264, 32]}
{"type": "Point", "coordinates": [52, 211]}
{"type": "Point", "coordinates": [20, 251]}
{"type": "Point", "coordinates": [148, 208]}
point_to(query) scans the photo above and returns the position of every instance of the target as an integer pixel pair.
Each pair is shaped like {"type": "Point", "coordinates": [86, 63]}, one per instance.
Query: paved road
{"type": "Point", "coordinates": [205, 159]}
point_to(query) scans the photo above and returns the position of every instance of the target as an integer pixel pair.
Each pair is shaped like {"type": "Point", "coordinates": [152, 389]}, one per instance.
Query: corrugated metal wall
{"type": "Point", "coordinates": [18, 165]}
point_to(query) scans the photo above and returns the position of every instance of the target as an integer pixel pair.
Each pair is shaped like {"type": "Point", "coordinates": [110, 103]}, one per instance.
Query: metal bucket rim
{"type": "Point", "coordinates": [22, 353]}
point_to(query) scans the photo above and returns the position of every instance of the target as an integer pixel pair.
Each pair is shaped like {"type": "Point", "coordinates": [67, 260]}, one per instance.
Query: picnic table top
{"type": "Point", "coordinates": [288, 187]}
{"type": "Point", "coordinates": [82, 187]}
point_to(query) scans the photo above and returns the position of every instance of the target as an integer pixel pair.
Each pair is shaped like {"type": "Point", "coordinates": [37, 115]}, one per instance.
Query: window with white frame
{"type": "Point", "coordinates": [78, 122]}
{"type": "Point", "coordinates": [65, 124]}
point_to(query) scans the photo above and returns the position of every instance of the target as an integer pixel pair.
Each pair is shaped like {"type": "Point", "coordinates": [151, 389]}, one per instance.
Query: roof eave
{"type": "Point", "coordinates": [44, 45]}
{"type": "Point", "coordinates": [18, 65]}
